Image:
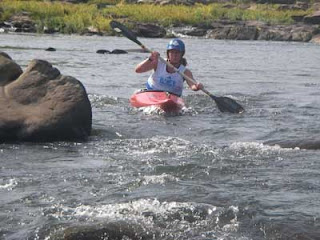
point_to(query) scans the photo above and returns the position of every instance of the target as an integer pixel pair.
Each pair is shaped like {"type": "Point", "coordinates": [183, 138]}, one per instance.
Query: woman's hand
{"type": "Point", "coordinates": [154, 57]}
{"type": "Point", "coordinates": [149, 63]}
{"type": "Point", "coordinates": [197, 86]}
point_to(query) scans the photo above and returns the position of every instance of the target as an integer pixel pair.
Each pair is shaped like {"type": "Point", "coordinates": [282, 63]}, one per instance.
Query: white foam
{"type": "Point", "coordinates": [184, 216]}
{"type": "Point", "coordinates": [160, 179]}
{"type": "Point", "coordinates": [158, 144]}
{"type": "Point", "coordinates": [9, 185]}
{"type": "Point", "coordinates": [154, 110]}
{"type": "Point", "coordinates": [137, 209]}
{"type": "Point", "coordinates": [255, 146]}
{"type": "Point", "coordinates": [151, 110]}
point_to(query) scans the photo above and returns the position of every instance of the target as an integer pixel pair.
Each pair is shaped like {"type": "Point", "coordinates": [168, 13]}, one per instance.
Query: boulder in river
{"type": "Point", "coordinates": [51, 49]}
{"type": "Point", "coordinates": [118, 51]}
{"type": "Point", "coordinates": [105, 230]}
{"type": "Point", "coordinates": [40, 104]}
{"type": "Point", "coordinates": [102, 51]}
{"type": "Point", "coordinates": [9, 70]}
{"type": "Point", "coordinates": [112, 230]}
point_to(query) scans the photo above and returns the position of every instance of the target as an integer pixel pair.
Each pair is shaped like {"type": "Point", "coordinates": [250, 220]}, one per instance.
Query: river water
{"type": "Point", "coordinates": [198, 175]}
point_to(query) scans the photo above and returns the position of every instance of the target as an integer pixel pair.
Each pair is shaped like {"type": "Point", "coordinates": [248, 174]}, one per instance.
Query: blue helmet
{"type": "Point", "coordinates": [176, 44]}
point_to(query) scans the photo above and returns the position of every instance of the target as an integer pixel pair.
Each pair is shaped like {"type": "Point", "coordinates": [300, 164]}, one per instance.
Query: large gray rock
{"type": "Point", "coordinates": [243, 33]}
{"type": "Point", "coordinates": [234, 32]}
{"type": "Point", "coordinates": [9, 70]}
{"type": "Point", "coordinates": [300, 33]}
{"type": "Point", "coordinates": [111, 230]}
{"type": "Point", "coordinates": [41, 104]}
{"type": "Point", "coordinates": [276, 33]}
{"type": "Point", "coordinates": [149, 30]}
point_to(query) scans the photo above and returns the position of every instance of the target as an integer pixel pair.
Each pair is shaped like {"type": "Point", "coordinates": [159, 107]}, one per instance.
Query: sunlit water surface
{"type": "Point", "coordinates": [198, 175]}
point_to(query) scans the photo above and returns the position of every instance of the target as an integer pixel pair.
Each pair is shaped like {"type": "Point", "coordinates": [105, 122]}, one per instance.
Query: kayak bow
{"type": "Point", "coordinates": [166, 101]}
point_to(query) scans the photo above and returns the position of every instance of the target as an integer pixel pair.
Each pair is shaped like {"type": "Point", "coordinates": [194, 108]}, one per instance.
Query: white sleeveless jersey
{"type": "Point", "coordinates": [164, 81]}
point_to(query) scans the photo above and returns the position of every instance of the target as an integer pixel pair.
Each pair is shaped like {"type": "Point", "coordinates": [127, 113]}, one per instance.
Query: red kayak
{"type": "Point", "coordinates": [166, 101]}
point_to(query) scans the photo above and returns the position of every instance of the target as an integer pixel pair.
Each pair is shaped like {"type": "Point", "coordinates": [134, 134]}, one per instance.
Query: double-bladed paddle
{"type": "Point", "coordinates": [225, 104]}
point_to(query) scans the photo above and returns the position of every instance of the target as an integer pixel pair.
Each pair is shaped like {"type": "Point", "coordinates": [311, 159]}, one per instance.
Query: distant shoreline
{"type": "Point", "coordinates": [235, 21]}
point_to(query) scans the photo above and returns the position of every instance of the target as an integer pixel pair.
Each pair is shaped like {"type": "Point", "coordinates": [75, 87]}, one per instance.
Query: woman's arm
{"type": "Point", "coordinates": [148, 64]}
{"type": "Point", "coordinates": [195, 86]}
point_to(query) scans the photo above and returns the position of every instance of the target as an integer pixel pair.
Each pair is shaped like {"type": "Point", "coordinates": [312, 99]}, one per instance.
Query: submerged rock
{"type": "Point", "coordinates": [112, 230]}
{"type": "Point", "coordinates": [102, 51]}
{"type": "Point", "coordinates": [118, 51]}
{"type": "Point", "coordinates": [50, 49]}
{"type": "Point", "coordinates": [115, 51]}
{"type": "Point", "coordinates": [311, 144]}
{"type": "Point", "coordinates": [40, 104]}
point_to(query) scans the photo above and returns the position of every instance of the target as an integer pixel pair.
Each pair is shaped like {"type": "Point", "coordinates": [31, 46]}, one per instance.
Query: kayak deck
{"type": "Point", "coordinates": [166, 101]}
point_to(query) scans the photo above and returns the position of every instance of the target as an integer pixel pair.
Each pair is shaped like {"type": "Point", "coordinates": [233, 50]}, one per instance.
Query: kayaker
{"type": "Point", "coordinates": [164, 78]}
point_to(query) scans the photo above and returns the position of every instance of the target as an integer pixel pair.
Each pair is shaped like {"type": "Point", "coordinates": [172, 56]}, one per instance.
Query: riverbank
{"type": "Point", "coordinates": [297, 21]}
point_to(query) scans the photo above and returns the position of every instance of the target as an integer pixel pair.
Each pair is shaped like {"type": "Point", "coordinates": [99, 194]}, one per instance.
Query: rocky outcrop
{"type": "Point", "coordinates": [251, 30]}
{"type": "Point", "coordinates": [149, 30]}
{"type": "Point", "coordinates": [287, 33]}
{"type": "Point", "coordinates": [316, 39]}
{"type": "Point", "coordinates": [110, 230]}
{"type": "Point", "coordinates": [304, 29]}
{"type": "Point", "coordinates": [235, 32]}
{"type": "Point", "coordinates": [40, 104]}
{"type": "Point", "coordinates": [21, 22]}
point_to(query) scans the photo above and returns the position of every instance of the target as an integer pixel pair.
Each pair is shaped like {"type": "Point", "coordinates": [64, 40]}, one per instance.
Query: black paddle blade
{"type": "Point", "coordinates": [120, 28]}
{"type": "Point", "coordinates": [226, 104]}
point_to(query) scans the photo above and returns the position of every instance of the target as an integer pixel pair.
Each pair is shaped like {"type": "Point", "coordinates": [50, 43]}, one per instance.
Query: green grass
{"type": "Point", "coordinates": [166, 15]}
{"type": "Point", "coordinates": [109, 2]}
{"type": "Point", "coordinates": [76, 18]}
{"type": "Point", "coordinates": [67, 18]}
